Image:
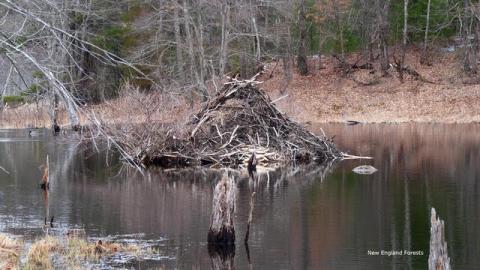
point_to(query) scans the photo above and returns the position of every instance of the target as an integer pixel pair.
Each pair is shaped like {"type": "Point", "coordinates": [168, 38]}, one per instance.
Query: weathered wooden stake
{"type": "Point", "coordinates": [222, 229]}
{"type": "Point", "coordinates": [438, 258]}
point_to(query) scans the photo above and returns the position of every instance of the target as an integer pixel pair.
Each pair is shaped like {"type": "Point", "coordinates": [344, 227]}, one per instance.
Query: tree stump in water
{"type": "Point", "coordinates": [438, 258]}
{"type": "Point", "coordinates": [222, 230]}
{"type": "Point", "coordinates": [222, 257]}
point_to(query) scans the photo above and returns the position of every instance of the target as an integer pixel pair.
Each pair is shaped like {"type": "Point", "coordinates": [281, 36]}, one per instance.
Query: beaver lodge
{"type": "Point", "coordinates": [238, 121]}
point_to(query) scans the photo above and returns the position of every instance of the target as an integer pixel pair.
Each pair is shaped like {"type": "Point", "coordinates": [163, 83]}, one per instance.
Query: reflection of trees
{"type": "Point", "coordinates": [411, 147]}
{"type": "Point", "coordinates": [421, 166]}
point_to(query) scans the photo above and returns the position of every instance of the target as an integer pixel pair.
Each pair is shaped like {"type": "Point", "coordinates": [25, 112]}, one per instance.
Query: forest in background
{"type": "Point", "coordinates": [76, 52]}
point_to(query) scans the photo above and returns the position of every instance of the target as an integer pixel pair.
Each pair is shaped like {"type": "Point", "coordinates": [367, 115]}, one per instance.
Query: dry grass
{"type": "Point", "coordinates": [9, 252]}
{"type": "Point", "coordinates": [51, 252]}
{"type": "Point", "coordinates": [131, 107]}
{"type": "Point", "coordinates": [41, 252]}
{"type": "Point", "coordinates": [134, 107]}
{"type": "Point", "coordinates": [78, 251]}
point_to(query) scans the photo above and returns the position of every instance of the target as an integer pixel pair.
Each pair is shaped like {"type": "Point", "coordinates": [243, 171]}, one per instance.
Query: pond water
{"type": "Point", "coordinates": [319, 217]}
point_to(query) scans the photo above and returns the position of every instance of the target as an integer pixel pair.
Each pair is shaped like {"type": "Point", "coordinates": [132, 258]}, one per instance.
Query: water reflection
{"type": "Point", "coordinates": [304, 218]}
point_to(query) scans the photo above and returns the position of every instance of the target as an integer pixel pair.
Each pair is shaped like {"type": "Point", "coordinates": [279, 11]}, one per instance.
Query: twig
{"type": "Point", "coordinates": [3, 169]}
{"type": "Point", "coordinates": [231, 137]}
{"type": "Point", "coordinates": [204, 118]}
{"type": "Point", "coordinates": [278, 99]}
{"type": "Point", "coordinates": [347, 156]}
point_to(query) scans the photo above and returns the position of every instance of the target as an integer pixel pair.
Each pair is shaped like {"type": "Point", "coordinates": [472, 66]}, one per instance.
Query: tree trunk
{"type": "Point", "coordinates": [404, 42]}
{"type": "Point", "coordinates": [222, 229]}
{"type": "Point", "coordinates": [424, 57]}
{"type": "Point", "coordinates": [224, 39]}
{"type": "Point", "coordinates": [257, 42]}
{"type": "Point", "coordinates": [382, 13]}
{"type": "Point", "coordinates": [474, 49]}
{"type": "Point", "coordinates": [340, 30]}
{"type": "Point", "coordinates": [302, 50]}
{"type": "Point", "coordinates": [438, 258]}
{"type": "Point", "coordinates": [191, 52]}
{"type": "Point", "coordinates": [202, 59]}
{"type": "Point", "coordinates": [178, 42]}
{"type": "Point", "coordinates": [465, 25]}
{"type": "Point", "coordinates": [55, 126]}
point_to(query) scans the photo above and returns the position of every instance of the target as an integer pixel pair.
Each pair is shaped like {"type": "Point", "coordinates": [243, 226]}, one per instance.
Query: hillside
{"type": "Point", "coordinates": [326, 96]}
{"type": "Point", "coordinates": [322, 96]}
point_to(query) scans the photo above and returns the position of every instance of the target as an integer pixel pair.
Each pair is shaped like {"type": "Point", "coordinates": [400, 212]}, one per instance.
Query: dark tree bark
{"type": "Point", "coordinates": [404, 42]}
{"type": "Point", "coordinates": [302, 49]}
{"type": "Point", "coordinates": [383, 8]}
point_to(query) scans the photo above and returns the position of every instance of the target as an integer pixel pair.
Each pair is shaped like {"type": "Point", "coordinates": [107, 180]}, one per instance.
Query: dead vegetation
{"type": "Point", "coordinates": [54, 252]}
{"type": "Point", "coordinates": [327, 96]}
{"type": "Point", "coordinates": [439, 93]}
{"type": "Point", "coordinates": [9, 252]}
{"type": "Point", "coordinates": [238, 121]}
{"type": "Point", "coordinates": [40, 253]}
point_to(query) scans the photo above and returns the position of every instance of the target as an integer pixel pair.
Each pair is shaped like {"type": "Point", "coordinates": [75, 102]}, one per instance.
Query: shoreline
{"type": "Point", "coordinates": [307, 124]}
{"type": "Point", "coordinates": [323, 96]}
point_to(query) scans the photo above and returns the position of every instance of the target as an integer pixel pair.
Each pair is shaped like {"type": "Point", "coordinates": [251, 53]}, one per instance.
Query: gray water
{"type": "Point", "coordinates": [316, 217]}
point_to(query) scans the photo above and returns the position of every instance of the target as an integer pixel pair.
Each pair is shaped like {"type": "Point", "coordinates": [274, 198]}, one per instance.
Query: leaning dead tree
{"type": "Point", "coordinates": [438, 258]}
{"type": "Point", "coordinates": [239, 121]}
{"type": "Point", "coordinates": [222, 230]}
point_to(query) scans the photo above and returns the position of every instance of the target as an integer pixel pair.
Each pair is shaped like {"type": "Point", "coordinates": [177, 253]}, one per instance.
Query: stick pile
{"type": "Point", "coordinates": [238, 121]}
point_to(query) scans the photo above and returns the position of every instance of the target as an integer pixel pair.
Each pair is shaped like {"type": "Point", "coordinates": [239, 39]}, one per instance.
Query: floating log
{"type": "Point", "coordinates": [222, 229]}
{"type": "Point", "coordinates": [352, 122]}
{"type": "Point", "coordinates": [364, 169]}
{"type": "Point", "coordinates": [438, 258]}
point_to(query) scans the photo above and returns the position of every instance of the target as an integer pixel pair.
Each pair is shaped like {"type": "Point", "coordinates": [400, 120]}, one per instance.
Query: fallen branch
{"type": "Point", "coordinates": [348, 156]}
{"type": "Point", "coordinates": [3, 169]}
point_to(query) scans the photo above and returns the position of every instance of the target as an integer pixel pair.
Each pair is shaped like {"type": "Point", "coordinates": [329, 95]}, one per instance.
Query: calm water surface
{"type": "Point", "coordinates": [311, 218]}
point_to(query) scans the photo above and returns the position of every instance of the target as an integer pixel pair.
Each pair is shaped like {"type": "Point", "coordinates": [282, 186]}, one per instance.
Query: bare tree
{"type": "Point", "coordinates": [424, 56]}
{"type": "Point", "coordinates": [302, 48]}
{"type": "Point", "coordinates": [404, 41]}
{"type": "Point", "coordinates": [178, 40]}
{"type": "Point", "coordinates": [382, 10]}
